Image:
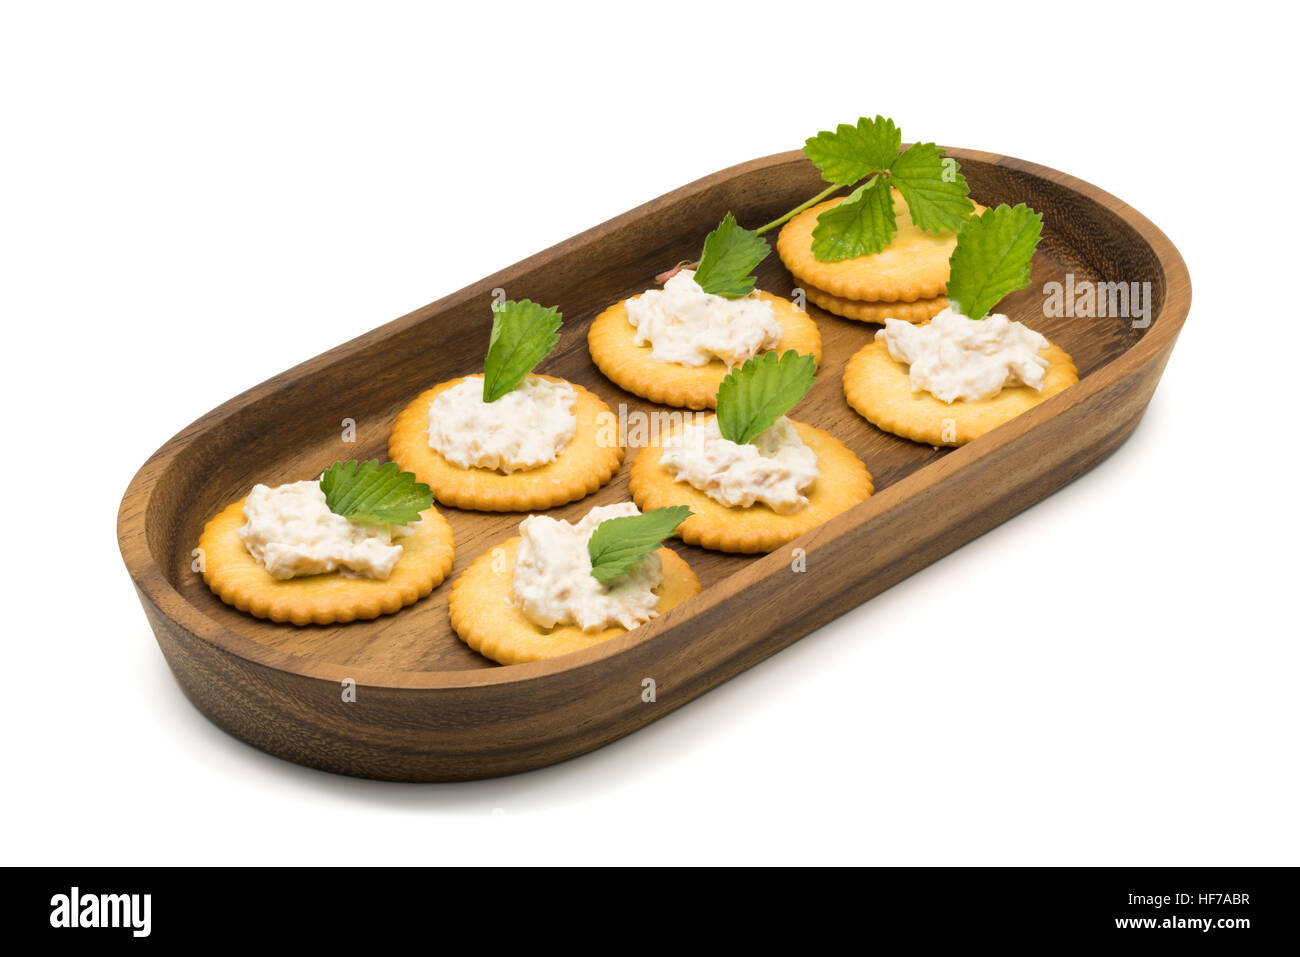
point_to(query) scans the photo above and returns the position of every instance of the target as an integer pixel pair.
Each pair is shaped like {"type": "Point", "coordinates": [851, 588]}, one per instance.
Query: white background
{"type": "Point", "coordinates": [194, 200]}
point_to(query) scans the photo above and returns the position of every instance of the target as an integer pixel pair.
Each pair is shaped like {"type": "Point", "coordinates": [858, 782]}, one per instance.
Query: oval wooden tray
{"type": "Point", "coordinates": [429, 709]}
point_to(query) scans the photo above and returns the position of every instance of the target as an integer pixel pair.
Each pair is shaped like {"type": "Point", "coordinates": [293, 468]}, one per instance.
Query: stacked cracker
{"type": "Point", "coordinates": [905, 280]}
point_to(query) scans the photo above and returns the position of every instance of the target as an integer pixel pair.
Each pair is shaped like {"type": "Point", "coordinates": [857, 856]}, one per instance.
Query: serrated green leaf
{"type": "Point", "coordinates": [853, 152]}
{"type": "Point", "coordinates": [765, 388]}
{"type": "Point", "coordinates": [937, 196]}
{"type": "Point", "coordinates": [523, 333]}
{"type": "Point", "coordinates": [371, 493]}
{"type": "Point", "coordinates": [730, 255]}
{"type": "Point", "coordinates": [861, 225]}
{"type": "Point", "coordinates": [994, 254]}
{"type": "Point", "coordinates": [619, 543]}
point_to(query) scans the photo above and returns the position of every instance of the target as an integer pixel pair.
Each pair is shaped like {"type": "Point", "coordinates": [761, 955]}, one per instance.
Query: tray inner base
{"type": "Point", "coordinates": [420, 638]}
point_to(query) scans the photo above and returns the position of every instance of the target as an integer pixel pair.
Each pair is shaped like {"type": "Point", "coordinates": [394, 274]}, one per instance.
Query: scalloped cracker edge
{"type": "Point", "coordinates": [922, 310]}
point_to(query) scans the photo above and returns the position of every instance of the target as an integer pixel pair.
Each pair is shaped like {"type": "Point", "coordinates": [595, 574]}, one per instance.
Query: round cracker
{"type": "Point", "coordinates": [878, 387]}
{"type": "Point", "coordinates": [842, 482]}
{"type": "Point", "coordinates": [486, 618]}
{"type": "Point", "coordinates": [584, 465]}
{"type": "Point", "coordinates": [913, 266]}
{"type": "Point", "coordinates": [238, 579]}
{"type": "Point", "coordinates": [921, 310]}
{"type": "Point", "coordinates": [630, 367]}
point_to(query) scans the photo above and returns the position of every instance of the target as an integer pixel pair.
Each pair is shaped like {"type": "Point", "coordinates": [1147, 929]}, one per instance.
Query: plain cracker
{"type": "Point", "coordinates": [630, 367]}
{"type": "Point", "coordinates": [843, 481]}
{"type": "Point", "coordinates": [237, 578]}
{"type": "Point", "coordinates": [878, 387]}
{"type": "Point", "coordinates": [486, 619]}
{"type": "Point", "coordinates": [913, 266]}
{"type": "Point", "coordinates": [580, 469]}
{"type": "Point", "coordinates": [922, 310]}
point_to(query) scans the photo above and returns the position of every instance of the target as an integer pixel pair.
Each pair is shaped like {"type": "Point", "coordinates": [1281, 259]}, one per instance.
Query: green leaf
{"type": "Point", "coordinates": [861, 225]}
{"type": "Point", "coordinates": [937, 195]}
{"type": "Point", "coordinates": [730, 255]}
{"type": "Point", "coordinates": [765, 388]}
{"type": "Point", "coordinates": [852, 152]}
{"type": "Point", "coordinates": [371, 493]}
{"type": "Point", "coordinates": [619, 543]}
{"type": "Point", "coordinates": [993, 257]}
{"type": "Point", "coordinates": [522, 334]}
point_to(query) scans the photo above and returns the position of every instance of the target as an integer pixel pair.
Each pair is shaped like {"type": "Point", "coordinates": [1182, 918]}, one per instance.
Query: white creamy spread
{"type": "Point", "coordinates": [775, 469]}
{"type": "Point", "coordinates": [524, 429]}
{"type": "Point", "coordinates": [292, 532]}
{"type": "Point", "coordinates": [683, 323]}
{"type": "Point", "coordinates": [553, 584]}
{"type": "Point", "coordinates": [958, 358]}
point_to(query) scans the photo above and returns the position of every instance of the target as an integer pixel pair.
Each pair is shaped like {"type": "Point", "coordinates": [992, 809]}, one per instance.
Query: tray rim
{"type": "Point", "coordinates": [153, 586]}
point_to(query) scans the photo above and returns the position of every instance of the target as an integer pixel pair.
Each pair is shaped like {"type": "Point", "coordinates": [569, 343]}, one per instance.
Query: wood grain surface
{"type": "Point", "coordinates": [427, 707]}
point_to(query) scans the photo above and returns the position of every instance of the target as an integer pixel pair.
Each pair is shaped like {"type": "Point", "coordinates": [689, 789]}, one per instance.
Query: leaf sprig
{"type": "Point", "coordinates": [866, 156]}
{"type": "Point", "coordinates": [766, 387]}
{"type": "Point", "coordinates": [619, 543]}
{"type": "Point", "coordinates": [994, 254]}
{"type": "Point", "coordinates": [523, 333]}
{"type": "Point", "coordinates": [371, 493]}
{"type": "Point", "coordinates": [936, 194]}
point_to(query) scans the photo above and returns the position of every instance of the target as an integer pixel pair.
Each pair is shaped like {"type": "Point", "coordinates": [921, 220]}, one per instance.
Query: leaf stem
{"type": "Point", "coordinates": [814, 201]}
{"type": "Point", "coordinates": [799, 209]}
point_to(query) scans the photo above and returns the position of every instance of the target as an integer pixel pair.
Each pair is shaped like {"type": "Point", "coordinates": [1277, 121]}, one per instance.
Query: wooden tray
{"type": "Point", "coordinates": [429, 709]}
